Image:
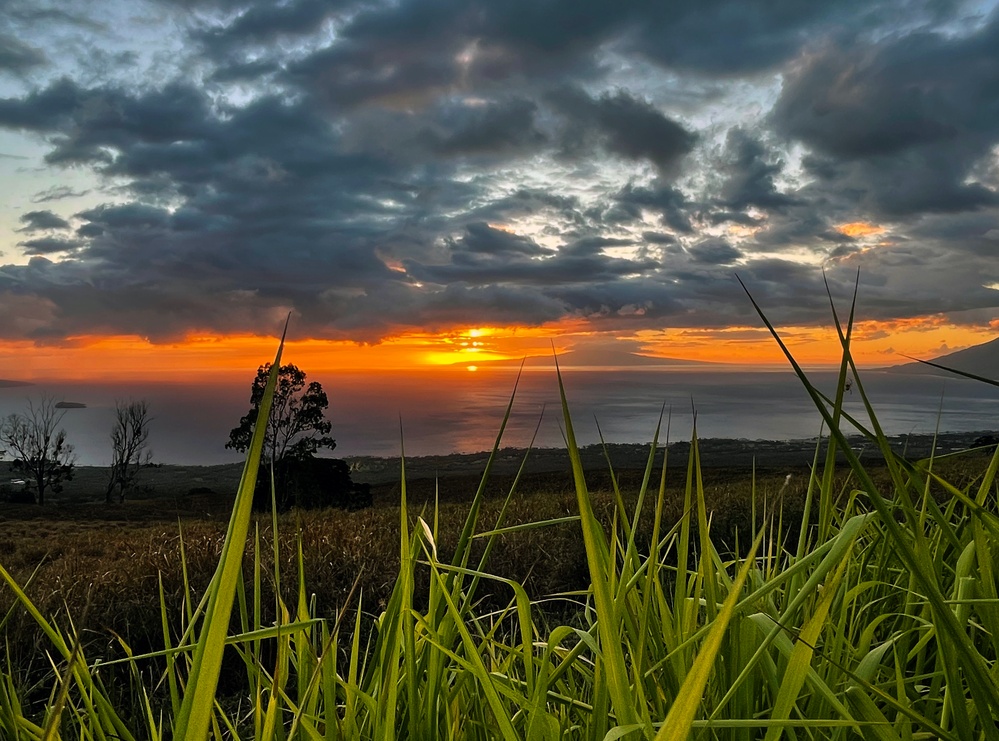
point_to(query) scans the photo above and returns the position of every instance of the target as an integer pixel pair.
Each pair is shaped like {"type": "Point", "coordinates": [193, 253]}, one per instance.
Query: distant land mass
{"type": "Point", "coordinates": [981, 360]}
{"type": "Point", "coordinates": [70, 405]}
{"type": "Point", "coordinates": [12, 384]}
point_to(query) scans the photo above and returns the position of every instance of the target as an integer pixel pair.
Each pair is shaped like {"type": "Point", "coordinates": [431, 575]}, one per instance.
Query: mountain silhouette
{"type": "Point", "coordinates": [981, 360]}
{"type": "Point", "coordinates": [11, 384]}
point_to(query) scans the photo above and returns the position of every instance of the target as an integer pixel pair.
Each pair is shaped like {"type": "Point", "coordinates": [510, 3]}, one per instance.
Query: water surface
{"type": "Point", "coordinates": [460, 411]}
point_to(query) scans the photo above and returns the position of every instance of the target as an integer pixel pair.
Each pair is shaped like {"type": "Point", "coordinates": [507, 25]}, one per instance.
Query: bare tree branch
{"type": "Point", "coordinates": [38, 447]}
{"type": "Point", "coordinates": [129, 447]}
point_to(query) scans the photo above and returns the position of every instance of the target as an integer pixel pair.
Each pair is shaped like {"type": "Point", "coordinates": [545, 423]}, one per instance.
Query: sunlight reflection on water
{"type": "Point", "coordinates": [457, 411]}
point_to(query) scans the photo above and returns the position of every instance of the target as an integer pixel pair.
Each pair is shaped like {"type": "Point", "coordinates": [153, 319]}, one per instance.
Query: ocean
{"type": "Point", "coordinates": [448, 411]}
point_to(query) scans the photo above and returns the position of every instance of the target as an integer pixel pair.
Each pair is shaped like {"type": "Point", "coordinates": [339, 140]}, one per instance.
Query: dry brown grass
{"type": "Point", "coordinates": [104, 563]}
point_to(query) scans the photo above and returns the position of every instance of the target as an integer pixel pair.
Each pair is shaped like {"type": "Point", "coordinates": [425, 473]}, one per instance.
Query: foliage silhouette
{"type": "Point", "coordinates": [296, 431]}
{"type": "Point", "coordinates": [39, 449]}
{"type": "Point", "coordinates": [298, 427]}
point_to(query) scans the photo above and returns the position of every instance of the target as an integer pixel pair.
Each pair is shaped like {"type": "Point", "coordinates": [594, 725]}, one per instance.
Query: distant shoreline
{"type": "Point", "coordinates": [714, 453]}
{"type": "Point", "coordinates": [13, 384]}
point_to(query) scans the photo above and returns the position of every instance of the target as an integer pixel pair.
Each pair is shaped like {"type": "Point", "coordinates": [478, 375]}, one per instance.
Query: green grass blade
{"type": "Point", "coordinates": [197, 706]}
{"type": "Point", "coordinates": [601, 568]}
{"type": "Point", "coordinates": [679, 721]}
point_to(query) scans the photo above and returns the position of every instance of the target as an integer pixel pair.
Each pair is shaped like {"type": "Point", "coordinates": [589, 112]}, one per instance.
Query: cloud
{"type": "Point", "coordinates": [667, 202]}
{"type": "Point", "coordinates": [57, 193]}
{"type": "Point", "coordinates": [18, 57]}
{"type": "Point", "coordinates": [731, 37]}
{"type": "Point", "coordinates": [380, 166]}
{"type": "Point", "coordinates": [751, 172]}
{"type": "Point", "coordinates": [487, 128]}
{"type": "Point", "coordinates": [714, 252]}
{"type": "Point", "coordinates": [624, 126]}
{"type": "Point", "coordinates": [901, 122]}
{"type": "Point", "coordinates": [49, 245]}
{"type": "Point", "coordinates": [91, 125]}
{"type": "Point", "coordinates": [266, 23]}
{"type": "Point", "coordinates": [41, 220]}
{"type": "Point", "coordinates": [659, 238]}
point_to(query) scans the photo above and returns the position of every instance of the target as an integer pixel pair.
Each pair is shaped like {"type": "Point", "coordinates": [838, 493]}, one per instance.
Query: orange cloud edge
{"type": "Point", "coordinates": [461, 348]}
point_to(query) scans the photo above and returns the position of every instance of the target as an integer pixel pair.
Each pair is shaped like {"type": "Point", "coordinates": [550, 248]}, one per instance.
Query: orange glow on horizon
{"type": "Point", "coordinates": [134, 358]}
{"type": "Point", "coordinates": [873, 344]}
{"type": "Point", "coordinates": [477, 349]}
{"type": "Point", "coordinates": [860, 229]}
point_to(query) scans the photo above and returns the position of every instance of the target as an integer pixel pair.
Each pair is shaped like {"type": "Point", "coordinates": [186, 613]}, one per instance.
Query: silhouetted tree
{"type": "Point", "coordinates": [129, 447]}
{"type": "Point", "coordinates": [298, 427]}
{"type": "Point", "coordinates": [38, 448]}
{"type": "Point", "coordinates": [297, 430]}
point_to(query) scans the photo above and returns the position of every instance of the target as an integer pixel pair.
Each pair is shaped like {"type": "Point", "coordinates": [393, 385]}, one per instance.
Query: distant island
{"type": "Point", "coordinates": [70, 405]}
{"type": "Point", "coordinates": [12, 384]}
{"type": "Point", "coordinates": [980, 360]}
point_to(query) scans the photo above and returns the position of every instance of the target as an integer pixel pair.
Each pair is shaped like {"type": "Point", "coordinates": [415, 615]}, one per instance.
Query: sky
{"type": "Point", "coordinates": [428, 182]}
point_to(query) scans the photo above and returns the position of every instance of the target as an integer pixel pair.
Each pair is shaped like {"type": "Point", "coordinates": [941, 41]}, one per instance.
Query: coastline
{"type": "Point", "coordinates": [455, 476]}
{"type": "Point", "coordinates": [714, 453]}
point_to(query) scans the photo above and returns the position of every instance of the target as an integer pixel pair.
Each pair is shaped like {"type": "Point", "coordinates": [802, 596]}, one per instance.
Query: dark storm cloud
{"type": "Point", "coordinates": [525, 39]}
{"type": "Point", "coordinates": [495, 127]}
{"type": "Point", "coordinates": [798, 227]}
{"type": "Point", "coordinates": [89, 123]}
{"type": "Point", "coordinates": [669, 203]}
{"type": "Point", "coordinates": [658, 238]}
{"type": "Point", "coordinates": [271, 213]}
{"type": "Point", "coordinates": [229, 6]}
{"type": "Point", "coordinates": [714, 252]}
{"type": "Point", "coordinates": [130, 215]}
{"type": "Point", "coordinates": [18, 57]}
{"type": "Point", "coordinates": [41, 220]}
{"type": "Point", "coordinates": [529, 202]}
{"type": "Point", "coordinates": [900, 123]}
{"type": "Point", "coordinates": [265, 23]}
{"type": "Point", "coordinates": [735, 217]}
{"type": "Point", "coordinates": [480, 130]}
{"type": "Point", "coordinates": [751, 170]}
{"type": "Point", "coordinates": [482, 239]}
{"type": "Point", "coordinates": [483, 255]}
{"type": "Point", "coordinates": [732, 37]}
{"type": "Point", "coordinates": [374, 166]}
{"type": "Point", "coordinates": [410, 52]}
{"type": "Point", "coordinates": [48, 245]}
{"type": "Point", "coordinates": [250, 71]}
{"type": "Point", "coordinates": [624, 126]}
{"type": "Point", "coordinates": [350, 74]}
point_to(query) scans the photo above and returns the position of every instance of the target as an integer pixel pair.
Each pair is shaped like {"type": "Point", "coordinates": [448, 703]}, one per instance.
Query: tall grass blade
{"type": "Point", "coordinates": [601, 568]}
{"type": "Point", "coordinates": [197, 705]}
{"type": "Point", "coordinates": [679, 722]}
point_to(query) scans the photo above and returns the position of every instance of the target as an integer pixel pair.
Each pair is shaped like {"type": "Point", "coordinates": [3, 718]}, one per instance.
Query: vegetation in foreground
{"type": "Point", "coordinates": [877, 616]}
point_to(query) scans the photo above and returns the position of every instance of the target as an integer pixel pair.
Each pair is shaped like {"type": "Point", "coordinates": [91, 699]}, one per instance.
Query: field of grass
{"type": "Point", "coordinates": [852, 603]}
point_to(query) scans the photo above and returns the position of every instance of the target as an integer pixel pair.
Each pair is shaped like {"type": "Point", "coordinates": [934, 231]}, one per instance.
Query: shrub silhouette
{"type": "Point", "coordinates": [310, 483]}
